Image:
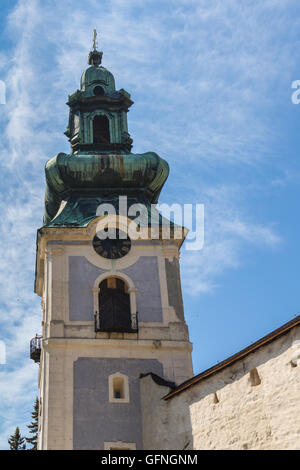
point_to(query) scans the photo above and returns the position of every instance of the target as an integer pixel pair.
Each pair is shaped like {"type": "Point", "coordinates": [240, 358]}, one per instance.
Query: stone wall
{"type": "Point", "coordinates": [252, 404]}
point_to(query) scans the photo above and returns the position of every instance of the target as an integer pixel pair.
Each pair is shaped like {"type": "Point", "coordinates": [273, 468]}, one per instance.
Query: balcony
{"type": "Point", "coordinates": [35, 348]}
{"type": "Point", "coordinates": [119, 325]}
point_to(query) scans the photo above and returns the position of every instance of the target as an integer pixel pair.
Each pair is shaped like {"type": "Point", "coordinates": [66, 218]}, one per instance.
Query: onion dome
{"type": "Point", "coordinates": [77, 184]}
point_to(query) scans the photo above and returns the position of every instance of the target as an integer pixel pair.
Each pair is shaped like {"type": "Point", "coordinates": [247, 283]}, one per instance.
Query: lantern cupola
{"type": "Point", "coordinates": [98, 112]}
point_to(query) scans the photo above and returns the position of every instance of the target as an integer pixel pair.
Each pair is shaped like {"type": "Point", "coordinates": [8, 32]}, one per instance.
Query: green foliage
{"type": "Point", "coordinates": [16, 441]}
{"type": "Point", "coordinates": [33, 426]}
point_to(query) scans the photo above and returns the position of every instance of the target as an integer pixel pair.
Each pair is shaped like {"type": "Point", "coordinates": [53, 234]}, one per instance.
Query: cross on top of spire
{"type": "Point", "coordinates": [95, 42]}
{"type": "Point", "coordinates": [95, 56]}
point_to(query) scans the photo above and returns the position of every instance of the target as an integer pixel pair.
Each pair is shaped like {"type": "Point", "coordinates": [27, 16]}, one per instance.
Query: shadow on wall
{"type": "Point", "coordinates": [158, 434]}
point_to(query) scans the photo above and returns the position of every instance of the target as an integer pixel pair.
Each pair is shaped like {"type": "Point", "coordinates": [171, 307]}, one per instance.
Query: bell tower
{"type": "Point", "coordinates": [98, 124]}
{"type": "Point", "coordinates": [111, 293]}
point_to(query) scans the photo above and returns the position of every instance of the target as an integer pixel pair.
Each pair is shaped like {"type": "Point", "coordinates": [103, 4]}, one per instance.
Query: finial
{"type": "Point", "coordinates": [95, 56]}
{"type": "Point", "coordinates": [95, 43]}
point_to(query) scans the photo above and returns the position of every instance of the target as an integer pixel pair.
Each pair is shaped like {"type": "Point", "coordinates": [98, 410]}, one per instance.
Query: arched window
{"type": "Point", "coordinates": [114, 305]}
{"type": "Point", "coordinates": [101, 130]}
{"type": "Point", "coordinates": [98, 91]}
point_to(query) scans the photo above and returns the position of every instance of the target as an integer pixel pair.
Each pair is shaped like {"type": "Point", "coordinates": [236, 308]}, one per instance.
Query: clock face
{"type": "Point", "coordinates": [112, 248]}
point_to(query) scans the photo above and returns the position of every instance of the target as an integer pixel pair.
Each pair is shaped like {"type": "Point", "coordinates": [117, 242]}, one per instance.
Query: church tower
{"type": "Point", "coordinates": [111, 296]}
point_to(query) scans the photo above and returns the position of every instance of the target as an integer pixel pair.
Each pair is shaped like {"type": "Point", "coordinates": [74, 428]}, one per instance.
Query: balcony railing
{"type": "Point", "coordinates": [132, 328]}
{"type": "Point", "coordinates": [35, 348]}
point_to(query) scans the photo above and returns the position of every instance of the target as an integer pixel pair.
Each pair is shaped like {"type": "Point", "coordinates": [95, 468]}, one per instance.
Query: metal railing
{"type": "Point", "coordinates": [133, 329]}
{"type": "Point", "coordinates": [35, 348]}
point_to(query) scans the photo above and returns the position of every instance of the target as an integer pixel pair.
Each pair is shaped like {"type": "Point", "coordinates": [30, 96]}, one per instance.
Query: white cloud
{"type": "Point", "coordinates": [251, 233]}
{"type": "Point", "coordinates": [200, 73]}
{"type": "Point", "coordinates": [228, 233]}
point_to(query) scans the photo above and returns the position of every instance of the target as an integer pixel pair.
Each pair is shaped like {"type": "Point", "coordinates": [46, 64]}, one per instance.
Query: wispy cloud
{"type": "Point", "coordinates": [229, 231]}
{"type": "Point", "coordinates": [200, 73]}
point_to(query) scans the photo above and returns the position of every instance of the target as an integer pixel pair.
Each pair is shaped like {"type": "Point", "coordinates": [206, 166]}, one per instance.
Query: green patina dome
{"type": "Point", "coordinates": [94, 76]}
{"type": "Point", "coordinates": [77, 184]}
{"type": "Point", "coordinates": [101, 166]}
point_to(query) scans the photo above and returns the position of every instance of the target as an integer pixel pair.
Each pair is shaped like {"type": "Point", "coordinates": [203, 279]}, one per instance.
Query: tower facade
{"type": "Point", "coordinates": [107, 271]}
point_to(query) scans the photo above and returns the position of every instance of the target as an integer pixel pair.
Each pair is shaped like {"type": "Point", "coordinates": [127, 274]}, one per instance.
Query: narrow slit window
{"type": "Point", "coordinates": [215, 398]}
{"type": "Point", "coordinates": [254, 377]}
{"type": "Point", "coordinates": [118, 384]}
{"type": "Point", "coordinates": [118, 388]}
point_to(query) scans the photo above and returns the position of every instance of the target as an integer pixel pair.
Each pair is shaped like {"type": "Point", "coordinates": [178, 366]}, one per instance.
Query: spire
{"type": "Point", "coordinates": [95, 56]}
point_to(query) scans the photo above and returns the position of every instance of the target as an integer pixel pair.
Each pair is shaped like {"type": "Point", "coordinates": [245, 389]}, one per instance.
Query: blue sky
{"type": "Point", "coordinates": [211, 81]}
